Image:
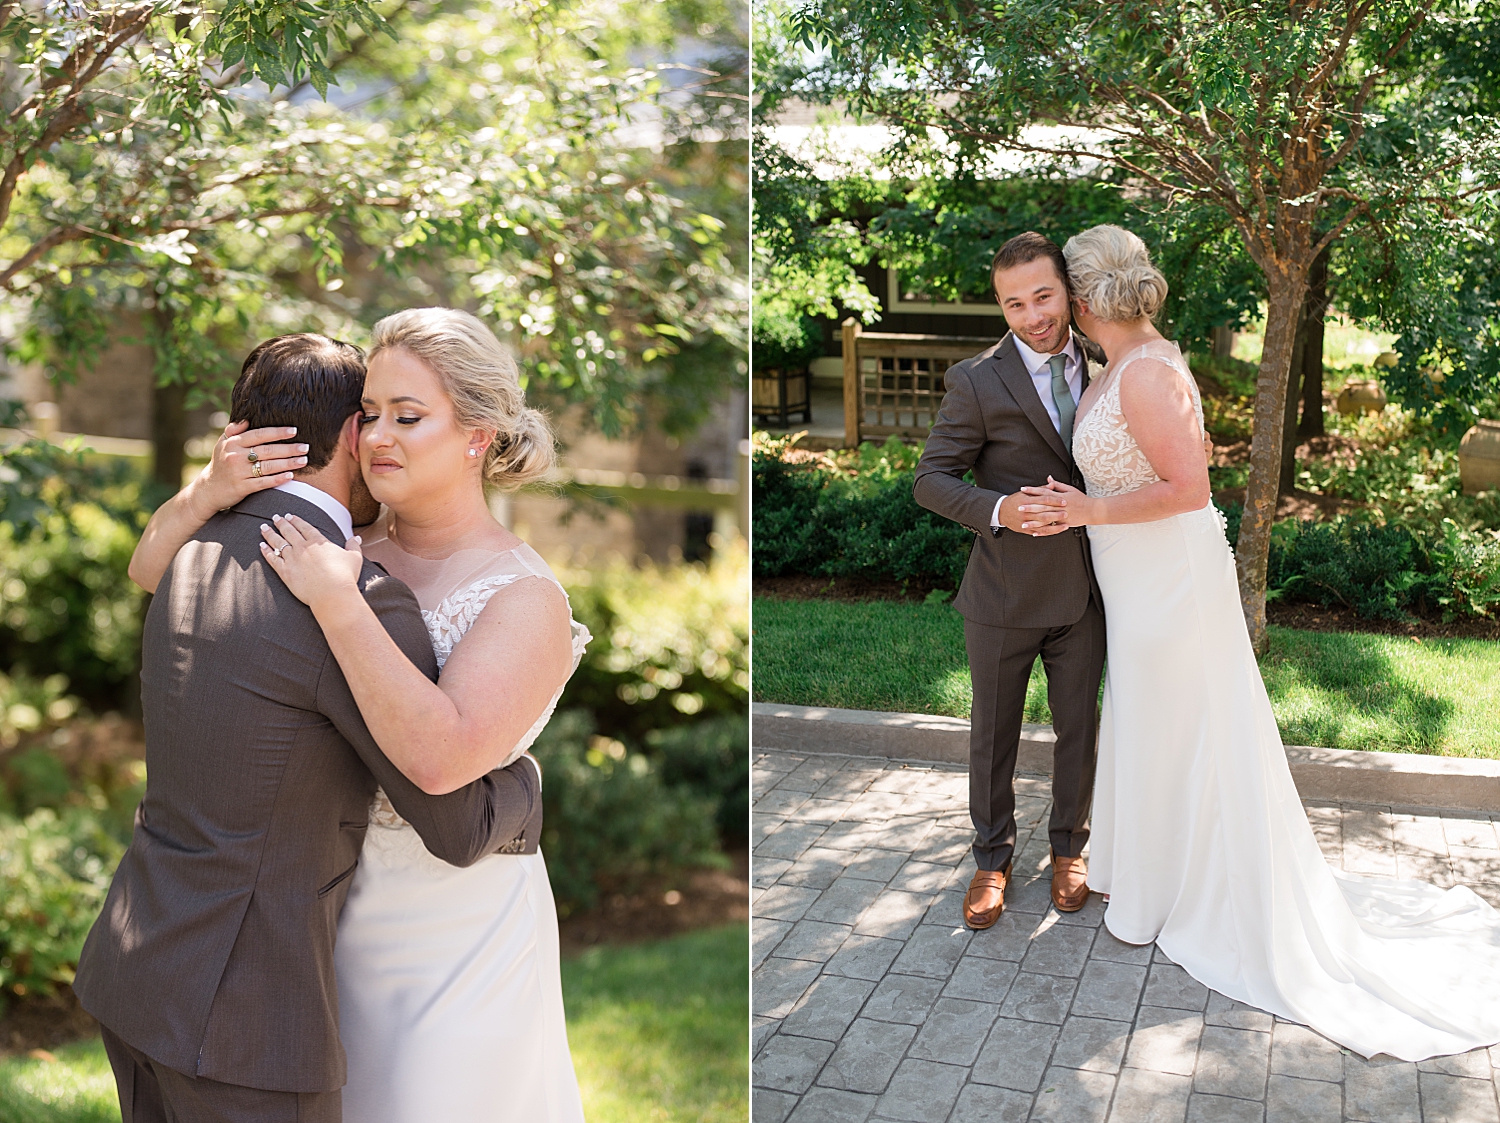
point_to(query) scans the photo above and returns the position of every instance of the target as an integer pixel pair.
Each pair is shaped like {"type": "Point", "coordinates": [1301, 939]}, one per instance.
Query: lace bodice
{"type": "Point", "coordinates": [1105, 452]}
{"type": "Point", "coordinates": [452, 592]}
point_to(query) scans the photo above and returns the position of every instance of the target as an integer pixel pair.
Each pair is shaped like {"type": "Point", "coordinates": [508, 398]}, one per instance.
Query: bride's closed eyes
{"type": "Point", "coordinates": [366, 418]}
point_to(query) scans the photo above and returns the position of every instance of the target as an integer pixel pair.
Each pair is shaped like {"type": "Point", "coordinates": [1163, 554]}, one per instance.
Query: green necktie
{"type": "Point", "coordinates": [1062, 397]}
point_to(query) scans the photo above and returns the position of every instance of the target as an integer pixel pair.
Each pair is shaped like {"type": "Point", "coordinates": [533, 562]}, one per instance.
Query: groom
{"type": "Point", "coordinates": [211, 966]}
{"type": "Point", "coordinates": [1007, 417]}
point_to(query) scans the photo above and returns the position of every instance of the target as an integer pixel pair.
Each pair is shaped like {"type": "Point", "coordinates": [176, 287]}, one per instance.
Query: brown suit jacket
{"type": "Point", "coordinates": [993, 423]}
{"type": "Point", "coordinates": [214, 952]}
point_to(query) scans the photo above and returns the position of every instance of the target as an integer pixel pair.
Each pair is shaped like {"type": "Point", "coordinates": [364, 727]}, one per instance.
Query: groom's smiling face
{"type": "Point", "coordinates": [1035, 302]}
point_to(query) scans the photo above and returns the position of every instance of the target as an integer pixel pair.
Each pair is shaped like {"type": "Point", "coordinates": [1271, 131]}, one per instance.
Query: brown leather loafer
{"type": "Point", "coordinates": [985, 900]}
{"type": "Point", "coordinates": [1070, 883]}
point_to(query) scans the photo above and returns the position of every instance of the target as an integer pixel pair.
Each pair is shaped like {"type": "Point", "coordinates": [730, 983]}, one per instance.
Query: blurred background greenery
{"type": "Point", "coordinates": [646, 764]}
{"type": "Point", "coordinates": [574, 173]}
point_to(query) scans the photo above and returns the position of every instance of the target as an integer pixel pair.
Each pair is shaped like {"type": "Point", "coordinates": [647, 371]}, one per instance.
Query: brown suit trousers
{"type": "Point", "coordinates": [1021, 597]}
{"type": "Point", "coordinates": [153, 1093]}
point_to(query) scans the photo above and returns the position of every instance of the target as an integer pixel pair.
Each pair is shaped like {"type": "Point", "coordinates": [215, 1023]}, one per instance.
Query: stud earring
{"type": "Point", "coordinates": [473, 452]}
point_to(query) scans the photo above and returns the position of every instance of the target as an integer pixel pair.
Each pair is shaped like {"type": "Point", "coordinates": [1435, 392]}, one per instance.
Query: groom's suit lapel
{"type": "Point", "coordinates": [1017, 380]}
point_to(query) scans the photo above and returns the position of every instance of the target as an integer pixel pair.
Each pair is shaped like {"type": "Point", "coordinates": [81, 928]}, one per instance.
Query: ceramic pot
{"type": "Point", "coordinates": [1360, 397]}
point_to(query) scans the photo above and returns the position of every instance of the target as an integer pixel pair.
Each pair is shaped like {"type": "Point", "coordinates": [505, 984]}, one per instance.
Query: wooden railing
{"type": "Point", "coordinates": [893, 383]}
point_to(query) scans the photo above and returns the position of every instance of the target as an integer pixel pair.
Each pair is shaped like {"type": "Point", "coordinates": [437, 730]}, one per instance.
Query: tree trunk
{"type": "Point", "coordinates": [1221, 341]}
{"type": "Point", "coordinates": [1312, 356]}
{"type": "Point", "coordinates": [1287, 285]}
{"type": "Point", "coordinates": [168, 435]}
{"type": "Point", "coordinates": [1288, 477]}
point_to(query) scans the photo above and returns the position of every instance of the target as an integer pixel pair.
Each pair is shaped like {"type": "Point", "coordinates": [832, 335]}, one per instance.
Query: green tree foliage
{"type": "Point", "coordinates": [512, 159]}
{"type": "Point", "coordinates": [1296, 125]}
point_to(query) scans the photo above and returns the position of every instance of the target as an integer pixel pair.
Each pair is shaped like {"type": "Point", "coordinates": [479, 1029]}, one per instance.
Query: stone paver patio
{"type": "Point", "coordinates": [873, 1002]}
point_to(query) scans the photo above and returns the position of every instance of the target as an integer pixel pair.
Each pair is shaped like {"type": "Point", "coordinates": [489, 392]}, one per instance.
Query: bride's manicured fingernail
{"type": "Point", "coordinates": [265, 526]}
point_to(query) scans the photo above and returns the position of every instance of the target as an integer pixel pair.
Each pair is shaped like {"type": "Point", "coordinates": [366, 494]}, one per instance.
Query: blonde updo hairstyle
{"type": "Point", "coordinates": [483, 382]}
{"type": "Point", "coordinates": [1110, 270]}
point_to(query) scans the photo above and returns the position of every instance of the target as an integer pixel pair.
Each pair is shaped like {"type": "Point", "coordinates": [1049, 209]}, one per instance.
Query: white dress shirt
{"type": "Point", "coordinates": [1041, 378]}
{"type": "Point", "coordinates": [325, 502]}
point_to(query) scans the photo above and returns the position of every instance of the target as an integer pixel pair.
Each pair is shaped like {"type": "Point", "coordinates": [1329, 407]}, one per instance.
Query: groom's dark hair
{"type": "Point", "coordinates": [305, 380]}
{"type": "Point", "coordinates": [1027, 247]}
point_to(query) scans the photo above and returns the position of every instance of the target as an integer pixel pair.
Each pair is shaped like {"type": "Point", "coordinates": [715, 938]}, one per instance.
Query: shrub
{"type": "Point", "coordinates": [610, 818]}
{"type": "Point", "coordinates": [1466, 572]}
{"type": "Point", "coordinates": [1384, 571]}
{"type": "Point", "coordinates": [67, 529]}
{"type": "Point", "coordinates": [670, 648]}
{"type": "Point", "coordinates": [850, 515]}
{"type": "Point", "coordinates": [54, 872]}
{"type": "Point", "coordinates": [1375, 570]}
{"type": "Point", "coordinates": [712, 758]}
{"type": "Point", "coordinates": [781, 339]}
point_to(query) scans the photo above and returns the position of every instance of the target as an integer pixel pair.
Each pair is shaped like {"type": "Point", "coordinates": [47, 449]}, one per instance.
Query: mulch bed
{"type": "Point", "coordinates": [798, 587]}
{"type": "Point", "coordinates": [667, 907]}
{"type": "Point", "coordinates": [1307, 617]}
{"type": "Point", "coordinates": [1300, 505]}
{"type": "Point", "coordinates": [1312, 618]}
{"type": "Point", "coordinates": [44, 1022]}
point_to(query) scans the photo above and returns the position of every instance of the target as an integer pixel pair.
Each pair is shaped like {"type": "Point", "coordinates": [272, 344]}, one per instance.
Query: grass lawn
{"type": "Point", "coordinates": [659, 1034]}
{"type": "Point", "coordinates": [76, 1088]}
{"type": "Point", "coordinates": [661, 1031]}
{"type": "Point", "coordinates": [1342, 690]}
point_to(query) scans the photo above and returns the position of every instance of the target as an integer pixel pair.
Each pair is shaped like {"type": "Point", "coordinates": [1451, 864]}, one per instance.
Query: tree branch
{"type": "Point", "coordinates": [354, 52]}
{"type": "Point", "coordinates": [54, 238]}
{"type": "Point", "coordinates": [1354, 112]}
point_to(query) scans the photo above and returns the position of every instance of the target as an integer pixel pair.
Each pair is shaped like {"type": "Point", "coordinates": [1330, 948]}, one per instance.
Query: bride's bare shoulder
{"type": "Point", "coordinates": [1151, 373]}
{"type": "Point", "coordinates": [1153, 383]}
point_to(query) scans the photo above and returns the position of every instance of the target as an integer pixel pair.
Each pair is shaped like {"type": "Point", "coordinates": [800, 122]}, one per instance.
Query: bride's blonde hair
{"type": "Point", "coordinates": [1110, 270]}
{"type": "Point", "coordinates": [483, 382]}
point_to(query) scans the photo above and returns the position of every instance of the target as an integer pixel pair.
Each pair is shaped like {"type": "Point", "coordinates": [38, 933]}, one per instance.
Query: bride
{"type": "Point", "coordinates": [450, 995]}
{"type": "Point", "coordinates": [1200, 841]}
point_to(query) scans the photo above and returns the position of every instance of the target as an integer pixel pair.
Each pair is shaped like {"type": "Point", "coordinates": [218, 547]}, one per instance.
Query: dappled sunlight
{"type": "Point", "coordinates": [1350, 690]}
{"type": "Point", "coordinates": [954, 693]}
{"type": "Point", "coordinates": [1335, 690]}
{"type": "Point", "coordinates": [658, 1031]}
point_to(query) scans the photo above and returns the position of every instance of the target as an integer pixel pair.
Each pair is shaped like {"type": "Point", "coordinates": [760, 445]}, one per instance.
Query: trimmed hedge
{"type": "Point", "coordinates": [842, 515]}
{"type": "Point", "coordinates": [851, 514]}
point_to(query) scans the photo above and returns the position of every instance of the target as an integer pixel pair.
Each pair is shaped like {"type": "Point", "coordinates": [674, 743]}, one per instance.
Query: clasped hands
{"type": "Point", "coordinates": [1041, 511]}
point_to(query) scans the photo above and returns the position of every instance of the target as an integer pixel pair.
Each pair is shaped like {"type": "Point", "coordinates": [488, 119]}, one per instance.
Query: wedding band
{"type": "Point", "coordinates": [255, 468]}
{"type": "Point", "coordinates": [252, 456]}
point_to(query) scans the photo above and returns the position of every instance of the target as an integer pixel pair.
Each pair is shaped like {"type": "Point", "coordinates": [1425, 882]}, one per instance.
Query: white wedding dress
{"type": "Point", "coordinates": [450, 994]}
{"type": "Point", "coordinates": [1199, 836]}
